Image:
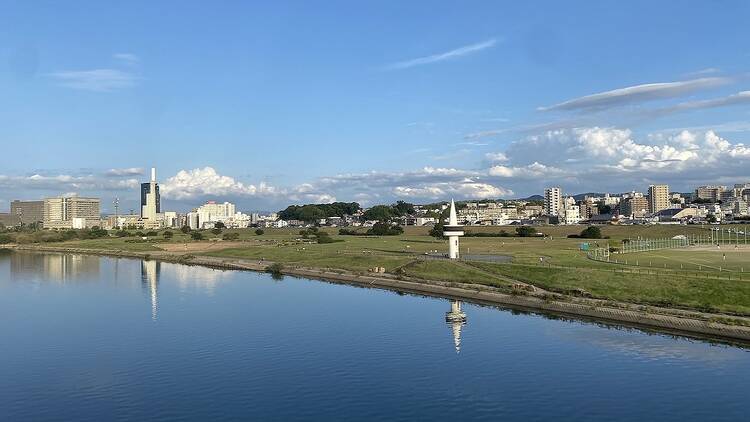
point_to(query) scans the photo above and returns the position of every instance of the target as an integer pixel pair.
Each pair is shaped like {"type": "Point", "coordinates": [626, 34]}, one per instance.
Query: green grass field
{"type": "Point", "coordinates": [685, 278]}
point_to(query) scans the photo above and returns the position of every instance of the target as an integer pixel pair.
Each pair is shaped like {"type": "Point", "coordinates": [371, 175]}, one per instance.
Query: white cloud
{"type": "Point", "coordinates": [127, 58]}
{"type": "Point", "coordinates": [496, 157]}
{"type": "Point", "coordinates": [530, 171]}
{"type": "Point", "coordinates": [599, 158]}
{"type": "Point", "coordinates": [123, 172]}
{"type": "Point", "coordinates": [203, 182]}
{"type": "Point", "coordinates": [638, 93]}
{"type": "Point", "coordinates": [448, 55]}
{"type": "Point", "coordinates": [97, 80]}
{"type": "Point", "coordinates": [742, 97]}
{"type": "Point", "coordinates": [65, 182]}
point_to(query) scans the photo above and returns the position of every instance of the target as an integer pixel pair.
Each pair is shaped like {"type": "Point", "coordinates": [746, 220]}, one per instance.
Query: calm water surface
{"type": "Point", "coordinates": [90, 338]}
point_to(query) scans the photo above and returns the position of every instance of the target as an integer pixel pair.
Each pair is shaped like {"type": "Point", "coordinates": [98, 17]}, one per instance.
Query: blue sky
{"type": "Point", "coordinates": [270, 103]}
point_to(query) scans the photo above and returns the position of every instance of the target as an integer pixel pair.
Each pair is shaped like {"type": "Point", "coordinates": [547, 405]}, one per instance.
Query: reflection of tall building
{"type": "Point", "coordinates": [53, 267]}
{"type": "Point", "coordinates": [150, 273]}
{"type": "Point", "coordinates": [456, 318]}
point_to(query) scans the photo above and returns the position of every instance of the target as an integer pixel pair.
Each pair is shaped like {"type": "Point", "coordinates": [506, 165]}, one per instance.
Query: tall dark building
{"type": "Point", "coordinates": [145, 191]}
{"type": "Point", "coordinates": [28, 211]}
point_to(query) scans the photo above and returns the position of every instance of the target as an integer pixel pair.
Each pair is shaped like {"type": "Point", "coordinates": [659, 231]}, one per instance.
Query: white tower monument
{"type": "Point", "coordinates": [453, 231]}
{"type": "Point", "coordinates": [150, 209]}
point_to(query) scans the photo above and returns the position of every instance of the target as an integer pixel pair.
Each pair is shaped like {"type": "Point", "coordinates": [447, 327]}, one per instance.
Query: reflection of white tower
{"type": "Point", "coordinates": [456, 318]}
{"type": "Point", "coordinates": [453, 231]}
{"type": "Point", "coordinates": [150, 278]}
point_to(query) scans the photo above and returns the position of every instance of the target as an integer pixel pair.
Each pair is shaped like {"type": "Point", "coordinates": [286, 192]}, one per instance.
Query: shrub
{"type": "Point", "coordinates": [140, 234]}
{"type": "Point", "coordinates": [4, 238]}
{"type": "Point", "coordinates": [122, 233]}
{"type": "Point", "coordinates": [196, 236]}
{"type": "Point", "coordinates": [216, 231]}
{"type": "Point", "coordinates": [259, 232]}
{"type": "Point", "coordinates": [385, 229]}
{"type": "Point", "coordinates": [276, 269]}
{"type": "Point", "coordinates": [220, 225]}
{"type": "Point", "coordinates": [231, 236]}
{"type": "Point", "coordinates": [323, 237]}
{"type": "Point", "coordinates": [348, 232]}
{"type": "Point", "coordinates": [152, 234]}
{"type": "Point", "coordinates": [185, 229]}
{"type": "Point", "coordinates": [525, 231]}
{"type": "Point", "coordinates": [168, 234]}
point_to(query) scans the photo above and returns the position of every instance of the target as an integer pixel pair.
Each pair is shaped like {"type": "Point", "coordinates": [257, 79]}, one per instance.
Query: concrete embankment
{"type": "Point", "coordinates": [676, 321]}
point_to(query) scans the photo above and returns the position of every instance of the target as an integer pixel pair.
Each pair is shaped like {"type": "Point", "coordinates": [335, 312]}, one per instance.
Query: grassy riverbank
{"type": "Point", "coordinates": [707, 279]}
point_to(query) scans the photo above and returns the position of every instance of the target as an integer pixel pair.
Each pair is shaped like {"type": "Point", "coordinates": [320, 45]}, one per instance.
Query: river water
{"type": "Point", "coordinates": [93, 338]}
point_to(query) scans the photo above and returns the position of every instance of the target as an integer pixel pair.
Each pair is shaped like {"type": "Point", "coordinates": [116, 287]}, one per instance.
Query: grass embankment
{"type": "Point", "coordinates": [668, 281]}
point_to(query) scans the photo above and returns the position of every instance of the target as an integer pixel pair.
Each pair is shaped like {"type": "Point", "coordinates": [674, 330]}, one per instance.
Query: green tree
{"type": "Point", "coordinates": [402, 208]}
{"type": "Point", "coordinates": [185, 229]}
{"type": "Point", "coordinates": [259, 232]}
{"type": "Point", "coordinates": [379, 213]}
{"type": "Point", "coordinates": [437, 230]}
{"type": "Point", "coordinates": [219, 225]}
{"type": "Point", "coordinates": [216, 231]}
{"type": "Point", "coordinates": [591, 232]}
{"type": "Point", "coordinates": [525, 231]}
{"type": "Point", "coordinates": [603, 208]}
{"type": "Point", "coordinates": [196, 236]}
{"type": "Point", "coordinates": [168, 234]}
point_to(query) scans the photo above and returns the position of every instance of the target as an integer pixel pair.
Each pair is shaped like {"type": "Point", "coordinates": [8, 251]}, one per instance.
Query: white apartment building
{"type": "Point", "coordinates": [212, 212]}
{"type": "Point", "coordinates": [486, 213]}
{"type": "Point", "coordinates": [571, 215]}
{"type": "Point", "coordinates": [62, 212]}
{"type": "Point", "coordinates": [553, 201]}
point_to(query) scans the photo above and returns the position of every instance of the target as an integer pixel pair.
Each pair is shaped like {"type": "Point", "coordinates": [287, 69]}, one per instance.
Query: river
{"type": "Point", "coordinates": [95, 338]}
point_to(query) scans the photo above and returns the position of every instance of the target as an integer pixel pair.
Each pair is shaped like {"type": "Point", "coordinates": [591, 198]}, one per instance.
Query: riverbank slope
{"type": "Point", "coordinates": [692, 323]}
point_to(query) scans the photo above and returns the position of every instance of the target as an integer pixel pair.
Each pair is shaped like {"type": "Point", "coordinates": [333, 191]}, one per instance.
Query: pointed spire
{"type": "Point", "coordinates": [153, 174]}
{"type": "Point", "coordinates": [453, 220]}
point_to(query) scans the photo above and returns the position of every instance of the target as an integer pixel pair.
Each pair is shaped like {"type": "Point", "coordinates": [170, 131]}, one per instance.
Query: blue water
{"type": "Point", "coordinates": [89, 338]}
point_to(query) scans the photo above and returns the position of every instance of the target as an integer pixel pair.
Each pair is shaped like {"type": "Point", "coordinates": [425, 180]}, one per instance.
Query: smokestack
{"type": "Point", "coordinates": [153, 174]}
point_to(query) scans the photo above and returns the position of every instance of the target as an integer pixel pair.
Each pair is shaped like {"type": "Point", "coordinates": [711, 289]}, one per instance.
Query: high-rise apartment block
{"type": "Point", "coordinates": [553, 201]}
{"type": "Point", "coordinates": [658, 198]}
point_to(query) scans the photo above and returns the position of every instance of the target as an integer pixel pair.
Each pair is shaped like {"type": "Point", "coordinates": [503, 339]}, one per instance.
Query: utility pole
{"type": "Point", "coordinates": [116, 202]}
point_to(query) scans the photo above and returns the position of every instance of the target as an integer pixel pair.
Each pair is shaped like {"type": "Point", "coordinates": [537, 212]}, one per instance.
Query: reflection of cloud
{"type": "Point", "coordinates": [195, 277]}
{"type": "Point", "coordinates": [657, 347]}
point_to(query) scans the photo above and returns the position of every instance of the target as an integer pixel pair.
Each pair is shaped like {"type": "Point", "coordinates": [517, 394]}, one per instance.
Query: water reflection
{"type": "Point", "coordinates": [150, 273]}
{"type": "Point", "coordinates": [456, 318]}
{"type": "Point", "coordinates": [57, 268]}
{"type": "Point", "coordinates": [202, 278]}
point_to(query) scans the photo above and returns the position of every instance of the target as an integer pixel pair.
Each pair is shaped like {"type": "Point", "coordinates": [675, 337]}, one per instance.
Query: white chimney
{"type": "Point", "coordinates": [153, 174]}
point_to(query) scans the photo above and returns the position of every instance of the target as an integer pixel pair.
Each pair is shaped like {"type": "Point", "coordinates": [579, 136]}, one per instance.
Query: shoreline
{"type": "Point", "coordinates": [666, 320]}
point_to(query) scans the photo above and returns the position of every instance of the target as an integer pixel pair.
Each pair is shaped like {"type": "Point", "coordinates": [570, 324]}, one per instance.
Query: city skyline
{"type": "Point", "coordinates": [469, 103]}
